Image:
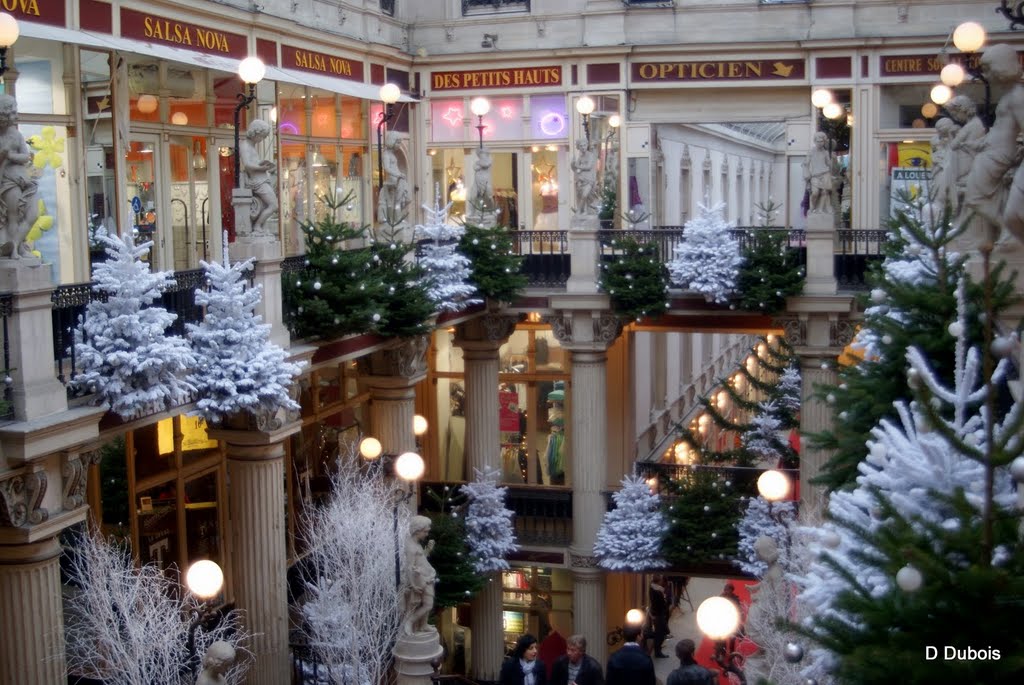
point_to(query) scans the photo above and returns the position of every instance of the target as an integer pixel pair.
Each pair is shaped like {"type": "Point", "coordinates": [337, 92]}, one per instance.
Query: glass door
{"type": "Point", "coordinates": [143, 195]}
{"type": "Point", "coordinates": [189, 210]}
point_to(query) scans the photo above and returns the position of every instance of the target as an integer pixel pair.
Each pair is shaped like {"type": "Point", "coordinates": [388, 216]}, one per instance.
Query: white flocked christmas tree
{"type": "Point", "coordinates": [631, 533]}
{"type": "Point", "coordinates": [125, 355]}
{"type": "Point", "coordinates": [238, 369]}
{"type": "Point", "coordinates": [447, 269]}
{"type": "Point", "coordinates": [489, 530]}
{"type": "Point", "coordinates": [708, 259]}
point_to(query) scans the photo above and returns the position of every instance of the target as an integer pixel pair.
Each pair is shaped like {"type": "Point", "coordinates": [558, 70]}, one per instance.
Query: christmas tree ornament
{"type": "Point", "coordinates": [793, 652]}
{"type": "Point", "coordinates": [909, 579]}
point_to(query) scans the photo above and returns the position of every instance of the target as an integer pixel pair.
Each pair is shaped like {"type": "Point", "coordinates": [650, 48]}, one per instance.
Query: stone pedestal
{"type": "Point", "coordinates": [415, 656]}
{"type": "Point", "coordinates": [35, 390]}
{"type": "Point", "coordinates": [821, 237]}
{"type": "Point", "coordinates": [31, 618]}
{"type": "Point", "coordinates": [583, 254]}
{"type": "Point", "coordinates": [259, 559]}
{"type": "Point", "coordinates": [241, 202]}
{"type": "Point", "coordinates": [268, 255]}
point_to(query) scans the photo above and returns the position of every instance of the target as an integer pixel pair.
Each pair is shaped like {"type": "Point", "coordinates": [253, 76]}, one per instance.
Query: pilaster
{"type": "Point", "coordinates": [267, 255]}
{"type": "Point", "coordinates": [480, 340]}
{"type": "Point", "coordinates": [259, 561]}
{"type": "Point", "coordinates": [31, 617]}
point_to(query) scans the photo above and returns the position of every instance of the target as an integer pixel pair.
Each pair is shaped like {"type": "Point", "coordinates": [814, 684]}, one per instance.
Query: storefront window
{"type": "Point", "coordinates": [446, 121]}
{"type": "Point", "coordinates": [187, 97]}
{"type": "Point", "coordinates": [291, 109]}
{"type": "Point", "coordinates": [545, 186]}
{"type": "Point", "coordinates": [40, 84]}
{"type": "Point", "coordinates": [533, 407]}
{"type": "Point", "coordinates": [548, 118]}
{"type": "Point", "coordinates": [324, 115]}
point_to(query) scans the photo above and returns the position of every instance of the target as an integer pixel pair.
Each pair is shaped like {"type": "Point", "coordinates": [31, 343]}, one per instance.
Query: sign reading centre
{"type": "Point", "coordinates": [519, 77]}
{"type": "Point", "coordinates": [721, 70]}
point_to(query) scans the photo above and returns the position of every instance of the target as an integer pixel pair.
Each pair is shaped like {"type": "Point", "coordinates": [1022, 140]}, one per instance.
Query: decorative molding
{"type": "Point", "coordinates": [841, 332]}
{"type": "Point", "coordinates": [561, 328]}
{"type": "Point", "coordinates": [582, 561]}
{"type": "Point", "coordinates": [75, 475]}
{"type": "Point", "coordinates": [21, 493]}
{"type": "Point", "coordinates": [407, 359]}
{"type": "Point", "coordinates": [793, 329]}
{"type": "Point", "coordinates": [607, 328]}
{"type": "Point", "coordinates": [498, 328]}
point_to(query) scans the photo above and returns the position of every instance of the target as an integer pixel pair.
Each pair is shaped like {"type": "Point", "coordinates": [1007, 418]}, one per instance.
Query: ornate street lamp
{"type": "Point", "coordinates": [9, 33]}
{"type": "Point", "coordinates": [251, 70]}
{"type": "Point", "coordinates": [389, 94]}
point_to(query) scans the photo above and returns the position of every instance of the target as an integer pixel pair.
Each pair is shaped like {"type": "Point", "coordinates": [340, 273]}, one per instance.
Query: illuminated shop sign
{"type": "Point", "coordinates": [723, 70]}
{"type": "Point", "coordinates": [180, 34]}
{"type": "Point", "coordinates": [522, 77]}
{"type": "Point", "coordinates": [321, 63]}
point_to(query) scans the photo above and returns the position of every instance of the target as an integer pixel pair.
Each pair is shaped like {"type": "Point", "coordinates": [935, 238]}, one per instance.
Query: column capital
{"type": "Point", "coordinates": [582, 562]}
{"type": "Point", "coordinates": [485, 333]}
{"type": "Point", "coordinates": [21, 497]}
{"type": "Point", "coordinates": [405, 363]}
{"type": "Point", "coordinates": [585, 330]}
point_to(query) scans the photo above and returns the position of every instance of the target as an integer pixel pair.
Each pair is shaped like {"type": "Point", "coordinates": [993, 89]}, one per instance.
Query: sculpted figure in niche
{"type": "Point", "coordinates": [18, 206]}
{"type": "Point", "coordinates": [419, 577]}
{"type": "Point", "coordinates": [394, 192]}
{"type": "Point", "coordinates": [584, 165]}
{"type": "Point", "coordinates": [258, 175]}
{"type": "Point", "coordinates": [818, 175]}
{"type": "Point", "coordinates": [963, 147]}
{"type": "Point", "coordinates": [987, 201]}
{"type": "Point", "coordinates": [945, 129]}
{"type": "Point", "coordinates": [217, 661]}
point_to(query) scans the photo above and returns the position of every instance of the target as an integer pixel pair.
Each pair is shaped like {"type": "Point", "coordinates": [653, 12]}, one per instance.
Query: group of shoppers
{"type": "Point", "coordinates": [630, 665]}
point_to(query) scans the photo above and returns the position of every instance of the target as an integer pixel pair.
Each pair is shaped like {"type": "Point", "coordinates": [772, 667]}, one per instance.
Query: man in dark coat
{"type": "Point", "coordinates": [576, 667]}
{"type": "Point", "coordinates": [631, 665]}
{"type": "Point", "coordinates": [689, 671]}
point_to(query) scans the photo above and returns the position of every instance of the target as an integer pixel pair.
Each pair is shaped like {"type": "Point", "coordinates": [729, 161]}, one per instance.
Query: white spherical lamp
{"type": "Point", "coordinates": [409, 466]}
{"type": "Point", "coordinates": [147, 103]}
{"type": "Point", "coordinates": [969, 36]}
{"type": "Point", "coordinates": [634, 617]}
{"type": "Point", "coordinates": [9, 30]}
{"type": "Point", "coordinates": [252, 70]}
{"type": "Point", "coordinates": [718, 617]}
{"type": "Point", "coordinates": [821, 97]}
{"type": "Point", "coordinates": [941, 94]}
{"type": "Point", "coordinates": [479, 106]}
{"type": "Point", "coordinates": [832, 110]}
{"type": "Point", "coordinates": [419, 425]}
{"type": "Point", "coordinates": [929, 110]}
{"type": "Point", "coordinates": [773, 485]}
{"type": "Point", "coordinates": [615, 121]}
{"type": "Point", "coordinates": [952, 75]}
{"type": "Point", "coordinates": [389, 93]}
{"type": "Point", "coordinates": [204, 579]}
{"type": "Point", "coordinates": [370, 448]}
{"type": "Point", "coordinates": [585, 105]}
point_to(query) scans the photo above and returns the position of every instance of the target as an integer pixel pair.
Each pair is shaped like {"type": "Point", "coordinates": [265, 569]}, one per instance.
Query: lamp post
{"type": "Point", "coordinates": [251, 70]}
{"type": "Point", "coordinates": [968, 37]}
{"type": "Point", "coordinates": [480, 107]}
{"type": "Point", "coordinates": [204, 580]}
{"type": "Point", "coordinates": [830, 113]}
{"type": "Point", "coordinates": [389, 94]}
{"type": "Point", "coordinates": [9, 33]}
{"type": "Point", "coordinates": [585, 106]}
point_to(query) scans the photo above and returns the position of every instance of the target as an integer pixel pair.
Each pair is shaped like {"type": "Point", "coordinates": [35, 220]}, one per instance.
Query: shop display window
{"type": "Point", "coordinates": [447, 121]}
{"type": "Point", "coordinates": [536, 601]}
{"type": "Point", "coordinates": [548, 118]}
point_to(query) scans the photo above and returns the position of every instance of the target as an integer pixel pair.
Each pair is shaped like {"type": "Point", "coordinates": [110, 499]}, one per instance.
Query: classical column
{"type": "Point", "coordinates": [31, 616]}
{"type": "Point", "coordinates": [259, 557]}
{"type": "Point", "coordinates": [587, 335]}
{"type": "Point", "coordinates": [391, 376]}
{"type": "Point", "coordinates": [815, 416]}
{"type": "Point", "coordinates": [480, 340]}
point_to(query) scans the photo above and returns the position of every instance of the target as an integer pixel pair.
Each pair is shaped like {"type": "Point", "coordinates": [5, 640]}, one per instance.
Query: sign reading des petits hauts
{"type": "Point", "coordinates": [718, 70]}
{"type": "Point", "coordinates": [512, 77]}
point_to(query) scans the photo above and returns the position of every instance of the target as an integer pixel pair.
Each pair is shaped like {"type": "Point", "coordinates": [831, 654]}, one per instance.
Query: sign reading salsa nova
{"type": "Point", "coordinates": [180, 34]}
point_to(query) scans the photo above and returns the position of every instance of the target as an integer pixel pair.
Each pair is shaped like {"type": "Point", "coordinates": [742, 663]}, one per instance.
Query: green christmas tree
{"type": "Point", "coordinates": [339, 291]}
{"type": "Point", "coordinates": [496, 266]}
{"type": "Point", "coordinates": [636, 280]}
{"type": "Point", "coordinates": [911, 304]}
{"type": "Point", "coordinates": [702, 509]}
{"type": "Point", "coordinates": [457, 582]}
{"type": "Point", "coordinates": [770, 273]}
{"type": "Point", "coordinates": [403, 304]}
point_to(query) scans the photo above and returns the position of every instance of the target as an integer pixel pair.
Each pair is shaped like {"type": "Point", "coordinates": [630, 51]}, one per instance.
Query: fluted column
{"type": "Point", "coordinates": [587, 335]}
{"type": "Point", "coordinates": [259, 558]}
{"type": "Point", "coordinates": [480, 340]}
{"type": "Point", "coordinates": [31, 617]}
{"type": "Point", "coordinates": [815, 416]}
{"type": "Point", "coordinates": [391, 376]}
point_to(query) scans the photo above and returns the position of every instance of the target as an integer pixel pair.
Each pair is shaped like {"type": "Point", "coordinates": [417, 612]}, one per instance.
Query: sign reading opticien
{"type": "Point", "coordinates": [723, 70]}
{"type": "Point", "coordinates": [520, 77]}
{"type": "Point", "coordinates": [321, 63]}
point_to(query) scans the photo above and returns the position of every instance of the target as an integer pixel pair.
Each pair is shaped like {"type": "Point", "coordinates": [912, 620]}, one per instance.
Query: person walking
{"type": "Point", "coordinates": [630, 665]}
{"type": "Point", "coordinates": [523, 667]}
{"type": "Point", "coordinates": [689, 671]}
{"type": "Point", "coordinates": [657, 607]}
{"type": "Point", "coordinates": [576, 667]}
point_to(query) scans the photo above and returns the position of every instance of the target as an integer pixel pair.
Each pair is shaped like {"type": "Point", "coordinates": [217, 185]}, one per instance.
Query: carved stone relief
{"type": "Point", "coordinates": [21, 493]}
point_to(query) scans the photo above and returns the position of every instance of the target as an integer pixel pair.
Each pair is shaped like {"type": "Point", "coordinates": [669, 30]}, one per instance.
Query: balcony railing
{"type": "Point", "coordinates": [545, 256]}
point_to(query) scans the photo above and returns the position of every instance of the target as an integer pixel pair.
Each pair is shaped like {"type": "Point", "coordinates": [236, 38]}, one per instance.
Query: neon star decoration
{"type": "Point", "coordinates": [453, 116]}
{"type": "Point", "coordinates": [508, 112]}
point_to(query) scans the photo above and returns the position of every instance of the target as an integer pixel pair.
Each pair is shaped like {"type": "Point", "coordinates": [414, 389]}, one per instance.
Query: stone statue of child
{"type": "Point", "coordinates": [818, 174]}
{"type": "Point", "coordinates": [258, 175]}
{"type": "Point", "coordinates": [217, 661]}
{"type": "Point", "coordinates": [418, 577]}
{"type": "Point", "coordinates": [394, 193]}
{"type": "Point", "coordinates": [18, 207]}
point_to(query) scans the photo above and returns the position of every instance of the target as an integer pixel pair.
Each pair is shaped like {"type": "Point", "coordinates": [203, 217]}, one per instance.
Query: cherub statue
{"type": "Point", "coordinates": [585, 167]}
{"type": "Point", "coordinates": [818, 174]}
{"type": "Point", "coordinates": [394, 193]}
{"type": "Point", "coordinates": [257, 175]}
{"type": "Point", "coordinates": [419, 577]}
{"type": "Point", "coordinates": [18, 206]}
{"type": "Point", "coordinates": [217, 661]}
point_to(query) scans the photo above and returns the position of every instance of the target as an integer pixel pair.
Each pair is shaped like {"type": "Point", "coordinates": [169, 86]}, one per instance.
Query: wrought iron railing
{"type": "Point", "coordinates": [545, 256]}
{"type": "Point", "coordinates": [856, 250]}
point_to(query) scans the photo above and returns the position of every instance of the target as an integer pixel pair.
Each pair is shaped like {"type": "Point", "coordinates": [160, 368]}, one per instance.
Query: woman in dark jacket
{"type": "Point", "coordinates": [523, 667]}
